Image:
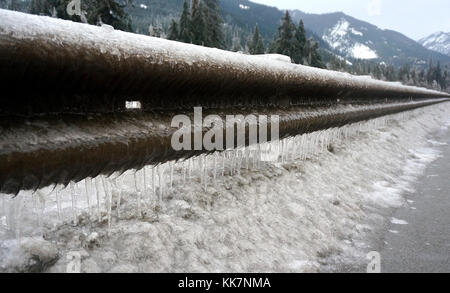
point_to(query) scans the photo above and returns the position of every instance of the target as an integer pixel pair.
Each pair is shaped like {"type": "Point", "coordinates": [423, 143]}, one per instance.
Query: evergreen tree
{"type": "Point", "coordinates": [285, 44]}
{"type": "Point", "coordinates": [273, 45]}
{"type": "Point", "coordinates": [256, 45]}
{"type": "Point", "coordinates": [185, 25]}
{"type": "Point", "coordinates": [214, 33]}
{"type": "Point", "coordinates": [299, 44]}
{"type": "Point", "coordinates": [312, 56]}
{"type": "Point", "coordinates": [173, 31]}
{"type": "Point", "coordinates": [112, 13]}
{"type": "Point", "coordinates": [44, 7]}
{"type": "Point", "coordinates": [236, 47]}
{"type": "Point", "coordinates": [155, 31]}
{"type": "Point", "coordinates": [14, 5]}
{"type": "Point", "coordinates": [198, 25]}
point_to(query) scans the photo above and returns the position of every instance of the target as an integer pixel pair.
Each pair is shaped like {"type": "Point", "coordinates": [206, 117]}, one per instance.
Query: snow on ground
{"type": "Point", "coordinates": [439, 42]}
{"type": "Point", "coordinates": [360, 51]}
{"type": "Point", "coordinates": [313, 210]}
{"type": "Point", "coordinates": [356, 32]}
{"type": "Point", "coordinates": [339, 37]}
{"type": "Point", "coordinates": [244, 7]}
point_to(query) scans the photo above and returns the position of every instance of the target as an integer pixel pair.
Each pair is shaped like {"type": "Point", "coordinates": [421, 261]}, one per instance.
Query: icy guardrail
{"type": "Point", "coordinates": [42, 151]}
{"type": "Point", "coordinates": [52, 70]}
{"type": "Point", "coordinates": [69, 66]}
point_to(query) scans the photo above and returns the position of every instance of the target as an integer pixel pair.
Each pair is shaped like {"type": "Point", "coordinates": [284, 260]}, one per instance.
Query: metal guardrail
{"type": "Point", "coordinates": [65, 86]}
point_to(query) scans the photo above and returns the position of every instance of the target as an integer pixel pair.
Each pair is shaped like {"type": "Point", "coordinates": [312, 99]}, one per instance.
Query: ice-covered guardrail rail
{"type": "Point", "coordinates": [69, 66]}
{"type": "Point", "coordinates": [65, 86]}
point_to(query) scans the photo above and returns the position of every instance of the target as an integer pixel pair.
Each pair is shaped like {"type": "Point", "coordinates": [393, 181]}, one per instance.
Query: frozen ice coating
{"type": "Point", "coordinates": [94, 178]}
{"type": "Point", "coordinates": [311, 210]}
{"type": "Point", "coordinates": [83, 146]}
{"type": "Point", "coordinates": [80, 60]}
{"type": "Point", "coordinates": [24, 26]}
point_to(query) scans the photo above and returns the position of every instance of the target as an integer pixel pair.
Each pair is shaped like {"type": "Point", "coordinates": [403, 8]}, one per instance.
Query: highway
{"type": "Point", "coordinates": [423, 244]}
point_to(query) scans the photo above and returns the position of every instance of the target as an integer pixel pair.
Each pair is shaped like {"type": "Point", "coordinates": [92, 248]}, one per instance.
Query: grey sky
{"type": "Point", "coordinates": [414, 18]}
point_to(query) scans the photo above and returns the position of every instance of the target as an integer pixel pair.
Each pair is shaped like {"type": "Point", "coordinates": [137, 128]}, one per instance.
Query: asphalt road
{"type": "Point", "coordinates": [423, 244]}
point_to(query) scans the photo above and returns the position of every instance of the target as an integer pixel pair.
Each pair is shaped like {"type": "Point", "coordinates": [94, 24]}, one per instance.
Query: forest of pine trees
{"type": "Point", "coordinates": [199, 24]}
{"type": "Point", "coordinates": [256, 44]}
{"type": "Point", "coordinates": [110, 12]}
{"type": "Point", "coordinates": [292, 42]}
{"type": "Point", "coordinates": [433, 77]}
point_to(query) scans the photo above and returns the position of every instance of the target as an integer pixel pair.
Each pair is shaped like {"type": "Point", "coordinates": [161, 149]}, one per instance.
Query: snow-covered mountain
{"type": "Point", "coordinates": [353, 38]}
{"type": "Point", "coordinates": [439, 42]}
{"type": "Point", "coordinates": [343, 38]}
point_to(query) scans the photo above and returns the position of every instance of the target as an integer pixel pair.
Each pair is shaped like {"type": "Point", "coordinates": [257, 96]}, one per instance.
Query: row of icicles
{"type": "Point", "coordinates": [96, 197]}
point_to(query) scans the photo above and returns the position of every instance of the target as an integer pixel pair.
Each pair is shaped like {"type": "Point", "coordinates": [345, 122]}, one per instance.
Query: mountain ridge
{"type": "Point", "coordinates": [389, 46]}
{"type": "Point", "coordinates": [439, 42]}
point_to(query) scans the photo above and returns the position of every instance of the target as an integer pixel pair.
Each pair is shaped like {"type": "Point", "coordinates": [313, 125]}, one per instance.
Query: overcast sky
{"type": "Point", "coordinates": [414, 18]}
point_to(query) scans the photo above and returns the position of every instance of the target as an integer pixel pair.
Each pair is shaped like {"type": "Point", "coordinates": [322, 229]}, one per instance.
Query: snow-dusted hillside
{"type": "Point", "coordinates": [439, 42]}
{"type": "Point", "coordinates": [343, 37]}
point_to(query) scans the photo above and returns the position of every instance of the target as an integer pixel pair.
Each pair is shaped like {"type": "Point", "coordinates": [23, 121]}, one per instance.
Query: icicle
{"type": "Point", "coordinates": [247, 158]}
{"type": "Point", "coordinates": [202, 167]}
{"type": "Point", "coordinates": [233, 161]}
{"type": "Point", "coordinates": [40, 208]}
{"type": "Point", "coordinates": [74, 202]}
{"type": "Point", "coordinates": [215, 167]}
{"type": "Point", "coordinates": [58, 203]}
{"type": "Point", "coordinates": [294, 148]}
{"type": "Point", "coordinates": [239, 161]}
{"type": "Point", "coordinates": [33, 200]}
{"type": "Point", "coordinates": [145, 190]}
{"type": "Point", "coordinates": [18, 218]}
{"type": "Point", "coordinates": [205, 173]}
{"type": "Point", "coordinates": [97, 193]}
{"type": "Point", "coordinates": [189, 168]}
{"type": "Point", "coordinates": [154, 180]}
{"type": "Point", "coordinates": [3, 200]}
{"type": "Point", "coordinates": [108, 200]}
{"type": "Point", "coordinates": [119, 199]}
{"type": "Point", "coordinates": [161, 182]}
{"type": "Point", "coordinates": [171, 173]}
{"type": "Point", "coordinates": [138, 193]}
{"type": "Point", "coordinates": [10, 214]}
{"type": "Point", "coordinates": [87, 185]}
{"type": "Point", "coordinates": [223, 163]}
{"type": "Point", "coordinates": [259, 156]}
{"type": "Point", "coordinates": [184, 171]}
